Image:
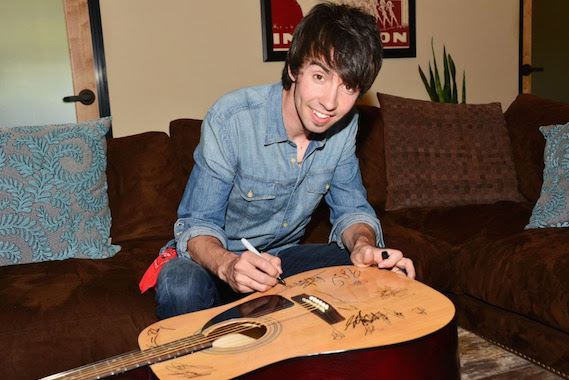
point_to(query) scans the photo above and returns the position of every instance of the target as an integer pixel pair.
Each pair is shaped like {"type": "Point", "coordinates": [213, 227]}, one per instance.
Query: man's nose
{"type": "Point", "coordinates": [329, 98]}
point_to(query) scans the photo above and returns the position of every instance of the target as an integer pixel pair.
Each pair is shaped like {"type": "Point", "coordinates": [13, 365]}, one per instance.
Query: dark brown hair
{"type": "Point", "coordinates": [345, 38]}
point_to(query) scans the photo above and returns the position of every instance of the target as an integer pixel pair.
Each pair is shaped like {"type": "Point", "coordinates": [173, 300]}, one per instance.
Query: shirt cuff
{"type": "Point", "coordinates": [188, 228]}
{"type": "Point", "coordinates": [346, 221]}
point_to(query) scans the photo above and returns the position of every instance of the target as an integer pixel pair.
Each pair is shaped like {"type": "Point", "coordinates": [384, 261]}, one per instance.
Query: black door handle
{"type": "Point", "coordinates": [528, 69]}
{"type": "Point", "coordinates": [86, 97]}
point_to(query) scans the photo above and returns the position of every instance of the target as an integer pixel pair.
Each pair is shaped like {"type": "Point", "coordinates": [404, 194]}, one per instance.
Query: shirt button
{"type": "Point", "coordinates": [327, 186]}
{"type": "Point", "coordinates": [285, 224]}
{"type": "Point", "coordinates": [250, 194]}
{"type": "Point", "coordinates": [293, 160]}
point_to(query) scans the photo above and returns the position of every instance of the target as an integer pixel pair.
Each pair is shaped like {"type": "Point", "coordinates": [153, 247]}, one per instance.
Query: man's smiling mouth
{"type": "Point", "coordinates": [321, 115]}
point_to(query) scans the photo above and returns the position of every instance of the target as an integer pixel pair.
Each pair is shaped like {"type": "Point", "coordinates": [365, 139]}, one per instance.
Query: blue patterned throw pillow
{"type": "Point", "coordinates": [552, 207]}
{"type": "Point", "coordinates": [53, 193]}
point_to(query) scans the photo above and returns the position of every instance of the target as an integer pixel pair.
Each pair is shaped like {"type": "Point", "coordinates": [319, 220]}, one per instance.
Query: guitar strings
{"type": "Point", "coordinates": [155, 354]}
{"type": "Point", "coordinates": [128, 361]}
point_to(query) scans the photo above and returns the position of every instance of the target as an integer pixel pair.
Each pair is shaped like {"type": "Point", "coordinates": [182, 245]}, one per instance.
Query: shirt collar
{"type": "Point", "coordinates": [275, 131]}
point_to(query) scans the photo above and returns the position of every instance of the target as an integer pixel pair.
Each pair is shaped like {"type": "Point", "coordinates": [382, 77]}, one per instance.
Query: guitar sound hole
{"type": "Point", "coordinates": [237, 334]}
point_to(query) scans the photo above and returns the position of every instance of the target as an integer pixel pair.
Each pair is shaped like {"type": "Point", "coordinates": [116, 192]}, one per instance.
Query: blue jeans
{"type": "Point", "coordinates": [184, 286]}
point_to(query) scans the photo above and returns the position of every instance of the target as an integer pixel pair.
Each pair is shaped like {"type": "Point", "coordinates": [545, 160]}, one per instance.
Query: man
{"type": "Point", "coordinates": [267, 156]}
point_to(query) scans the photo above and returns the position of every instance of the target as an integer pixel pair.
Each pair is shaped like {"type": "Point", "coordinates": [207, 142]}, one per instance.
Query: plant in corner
{"type": "Point", "coordinates": [443, 92]}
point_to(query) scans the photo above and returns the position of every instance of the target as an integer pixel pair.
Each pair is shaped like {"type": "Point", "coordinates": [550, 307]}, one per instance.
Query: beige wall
{"type": "Point", "coordinates": [172, 58]}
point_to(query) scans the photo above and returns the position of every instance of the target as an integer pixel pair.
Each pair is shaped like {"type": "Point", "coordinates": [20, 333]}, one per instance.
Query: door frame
{"type": "Point", "coordinates": [525, 44]}
{"type": "Point", "coordinates": [86, 51]}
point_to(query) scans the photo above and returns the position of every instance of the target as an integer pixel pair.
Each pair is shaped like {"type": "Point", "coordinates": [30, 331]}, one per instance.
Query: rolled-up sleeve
{"type": "Point", "coordinates": [347, 196]}
{"type": "Point", "coordinates": [343, 223]}
{"type": "Point", "coordinates": [188, 228]}
{"type": "Point", "coordinates": [203, 207]}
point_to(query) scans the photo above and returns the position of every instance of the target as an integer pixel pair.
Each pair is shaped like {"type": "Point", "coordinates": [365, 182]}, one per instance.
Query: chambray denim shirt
{"type": "Point", "coordinates": [246, 181]}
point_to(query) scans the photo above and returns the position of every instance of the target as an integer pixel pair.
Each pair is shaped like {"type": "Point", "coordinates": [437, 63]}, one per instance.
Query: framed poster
{"type": "Point", "coordinates": [395, 18]}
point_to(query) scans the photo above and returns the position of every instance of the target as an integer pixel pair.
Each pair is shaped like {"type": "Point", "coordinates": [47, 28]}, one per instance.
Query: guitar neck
{"type": "Point", "coordinates": [135, 359]}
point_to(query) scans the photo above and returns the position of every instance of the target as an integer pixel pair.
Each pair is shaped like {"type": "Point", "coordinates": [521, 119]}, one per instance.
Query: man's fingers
{"type": "Point", "coordinates": [405, 266]}
{"type": "Point", "coordinates": [254, 272]}
{"type": "Point", "coordinates": [388, 258]}
{"type": "Point", "coordinates": [392, 258]}
{"type": "Point", "coordinates": [275, 261]}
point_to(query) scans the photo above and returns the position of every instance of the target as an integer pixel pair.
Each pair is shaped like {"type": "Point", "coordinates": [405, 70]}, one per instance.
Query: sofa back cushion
{"type": "Point", "coordinates": [185, 135]}
{"type": "Point", "coordinates": [146, 182]}
{"type": "Point", "coordinates": [371, 153]}
{"type": "Point", "coordinates": [523, 118]}
{"type": "Point", "coordinates": [446, 154]}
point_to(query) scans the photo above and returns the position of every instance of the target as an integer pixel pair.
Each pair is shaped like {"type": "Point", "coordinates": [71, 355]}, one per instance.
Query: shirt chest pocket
{"type": "Point", "coordinates": [319, 183]}
{"type": "Point", "coordinates": [255, 197]}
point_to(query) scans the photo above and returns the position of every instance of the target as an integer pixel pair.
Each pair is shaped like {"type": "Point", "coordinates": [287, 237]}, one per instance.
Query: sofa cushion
{"type": "Point", "coordinates": [523, 273]}
{"type": "Point", "coordinates": [441, 154]}
{"type": "Point", "coordinates": [61, 315]}
{"type": "Point", "coordinates": [145, 186]}
{"type": "Point", "coordinates": [185, 134]}
{"type": "Point", "coordinates": [425, 251]}
{"type": "Point", "coordinates": [524, 117]}
{"type": "Point", "coordinates": [460, 224]}
{"type": "Point", "coordinates": [371, 154]}
{"type": "Point", "coordinates": [433, 258]}
{"type": "Point", "coordinates": [53, 193]}
{"type": "Point", "coordinates": [552, 207]}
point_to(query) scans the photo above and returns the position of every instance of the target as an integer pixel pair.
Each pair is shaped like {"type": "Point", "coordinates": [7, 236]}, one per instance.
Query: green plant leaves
{"type": "Point", "coordinates": [443, 92]}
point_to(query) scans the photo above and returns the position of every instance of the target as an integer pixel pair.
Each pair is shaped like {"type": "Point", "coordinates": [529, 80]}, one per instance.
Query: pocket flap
{"type": "Point", "coordinates": [319, 182]}
{"type": "Point", "coordinates": [254, 189]}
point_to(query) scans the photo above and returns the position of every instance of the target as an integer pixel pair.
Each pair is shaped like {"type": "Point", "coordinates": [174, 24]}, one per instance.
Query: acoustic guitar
{"type": "Point", "coordinates": [335, 323]}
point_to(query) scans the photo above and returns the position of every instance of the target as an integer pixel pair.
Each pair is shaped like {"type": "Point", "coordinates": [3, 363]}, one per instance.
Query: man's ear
{"type": "Point", "coordinates": [290, 75]}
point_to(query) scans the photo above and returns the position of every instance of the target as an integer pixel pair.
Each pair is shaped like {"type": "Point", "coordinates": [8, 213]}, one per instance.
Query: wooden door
{"type": "Point", "coordinates": [46, 54]}
{"type": "Point", "coordinates": [526, 43]}
{"type": "Point", "coordinates": [82, 57]}
{"type": "Point", "coordinates": [545, 57]}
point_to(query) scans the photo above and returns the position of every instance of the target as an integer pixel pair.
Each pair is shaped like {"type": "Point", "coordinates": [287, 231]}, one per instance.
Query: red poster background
{"type": "Point", "coordinates": [285, 15]}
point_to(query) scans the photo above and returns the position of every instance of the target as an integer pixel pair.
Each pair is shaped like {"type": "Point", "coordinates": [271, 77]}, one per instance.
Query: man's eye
{"type": "Point", "coordinates": [318, 76]}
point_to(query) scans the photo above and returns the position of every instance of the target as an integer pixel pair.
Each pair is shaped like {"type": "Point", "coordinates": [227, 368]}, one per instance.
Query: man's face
{"type": "Point", "coordinates": [321, 97]}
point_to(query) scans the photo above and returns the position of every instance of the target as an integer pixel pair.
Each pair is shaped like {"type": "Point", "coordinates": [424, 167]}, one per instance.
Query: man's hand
{"type": "Point", "coordinates": [365, 255]}
{"type": "Point", "coordinates": [244, 273]}
{"type": "Point", "coordinates": [359, 239]}
{"type": "Point", "coordinates": [249, 272]}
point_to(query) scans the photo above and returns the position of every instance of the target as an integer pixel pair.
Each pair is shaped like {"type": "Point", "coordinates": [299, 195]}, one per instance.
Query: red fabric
{"type": "Point", "coordinates": [149, 279]}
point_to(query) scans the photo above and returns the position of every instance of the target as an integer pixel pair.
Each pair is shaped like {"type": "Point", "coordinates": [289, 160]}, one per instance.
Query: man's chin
{"type": "Point", "coordinates": [320, 126]}
{"type": "Point", "coordinates": [317, 131]}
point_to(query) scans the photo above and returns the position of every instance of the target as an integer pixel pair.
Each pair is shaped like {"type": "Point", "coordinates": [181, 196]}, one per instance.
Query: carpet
{"type": "Point", "coordinates": [480, 359]}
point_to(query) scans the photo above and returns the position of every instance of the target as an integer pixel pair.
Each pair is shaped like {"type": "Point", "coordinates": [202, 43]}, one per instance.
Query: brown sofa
{"type": "Point", "coordinates": [510, 285]}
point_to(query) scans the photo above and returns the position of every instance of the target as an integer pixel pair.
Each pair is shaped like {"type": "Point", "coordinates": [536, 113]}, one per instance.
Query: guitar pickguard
{"type": "Point", "coordinates": [254, 308]}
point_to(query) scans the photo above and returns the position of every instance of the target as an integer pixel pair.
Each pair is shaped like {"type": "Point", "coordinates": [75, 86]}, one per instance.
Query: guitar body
{"type": "Point", "coordinates": [334, 323]}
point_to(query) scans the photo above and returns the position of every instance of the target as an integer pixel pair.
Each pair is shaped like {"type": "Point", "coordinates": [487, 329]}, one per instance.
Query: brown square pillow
{"type": "Point", "coordinates": [446, 154]}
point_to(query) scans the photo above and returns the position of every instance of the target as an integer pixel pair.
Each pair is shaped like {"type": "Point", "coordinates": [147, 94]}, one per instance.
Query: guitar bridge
{"type": "Point", "coordinates": [319, 307]}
